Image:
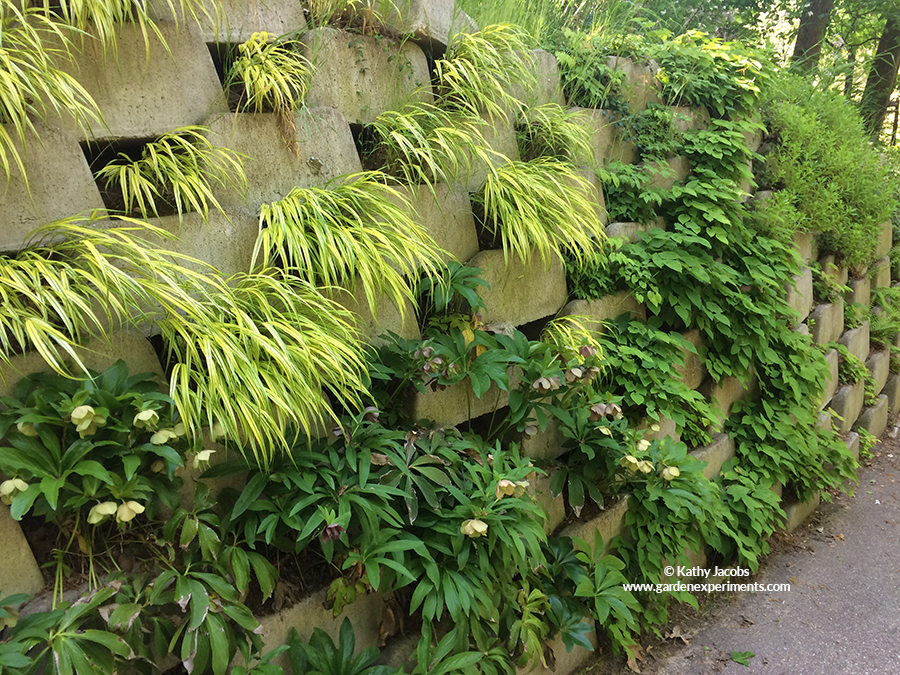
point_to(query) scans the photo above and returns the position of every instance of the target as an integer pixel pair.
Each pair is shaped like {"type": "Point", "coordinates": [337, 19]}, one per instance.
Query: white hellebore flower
{"type": "Point", "coordinates": [644, 466]}
{"type": "Point", "coordinates": [643, 445]}
{"type": "Point", "coordinates": [474, 528]}
{"type": "Point", "coordinates": [127, 511]}
{"type": "Point", "coordinates": [163, 436]}
{"type": "Point", "coordinates": [202, 456]}
{"type": "Point", "coordinates": [629, 462]}
{"type": "Point", "coordinates": [146, 419]}
{"type": "Point", "coordinates": [26, 429]}
{"type": "Point", "coordinates": [505, 488]}
{"type": "Point", "coordinates": [10, 488]}
{"type": "Point", "coordinates": [86, 420]}
{"type": "Point", "coordinates": [179, 429]}
{"type": "Point", "coordinates": [100, 512]}
{"type": "Point", "coordinates": [670, 472]}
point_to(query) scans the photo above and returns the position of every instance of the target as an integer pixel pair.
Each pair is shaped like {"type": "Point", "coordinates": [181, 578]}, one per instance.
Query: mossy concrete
{"type": "Point", "coordinates": [520, 291]}
{"type": "Point", "coordinates": [314, 148]}
{"type": "Point", "coordinates": [145, 88]}
{"type": "Point", "coordinates": [363, 76]}
{"type": "Point", "coordinates": [59, 184]}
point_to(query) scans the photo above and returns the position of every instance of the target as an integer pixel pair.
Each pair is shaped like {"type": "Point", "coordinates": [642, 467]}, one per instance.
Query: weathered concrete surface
{"type": "Point", "coordinates": [609, 524]}
{"type": "Point", "coordinates": [856, 340]}
{"type": "Point", "coordinates": [719, 451]}
{"type": "Point", "coordinates": [20, 572]}
{"type": "Point", "coordinates": [692, 371]}
{"type": "Point", "coordinates": [606, 309]}
{"type": "Point", "coordinates": [827, 322]}
{"type": "Point", "coordinates": [372, 323]}
{"type": "Point", "coordinates": [874, 418]}
{"type": "Point", "coordinates": [800, 293]}
{"type": "Point", "coordinates": [690, 118]}
{"type": "Point", "coordinates": [839, 275]}
{"type": "Point", "coordinates": [362, 76]}
{"type": "Point", "coordinates": [145, 89]}
{"type": "Point", "coordinates": [885, 235]}
{"type": "Point", "coordinates": [860, 291]}
{"type": "Point", "coordinates": [446, 214]}
{"type": "Point", "coordinates": [669, 171]}
{"type": "Point", "coordinates": [806, 244]}
{"type": "Point", "coordinates": [641, 86]}
{"type": "Point", "coordinates": [316, 150]}
{"type": "Point", "coordinates": [59, 185]}
{"type": "Point", "coordinates": [430, 23]}
{"type": "Point", "coordinates": [881, 273]}
{"type": "Point", "coordinates": [831, 384]}
{"type": "Point", "coordinates": [520, 292]}
{"type": "Point", "coordinates": [878, 365]}
{"type": "Point", "coordinates": [843, 574]}
{"type": "Point", "coordinates": [238, 20]}
{"type": "Point", "coordinates": [847, 404]}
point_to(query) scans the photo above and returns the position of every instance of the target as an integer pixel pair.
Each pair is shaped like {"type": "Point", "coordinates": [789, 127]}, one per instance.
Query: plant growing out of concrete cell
{"type": "Point", "coordinates": [542, 206]}
{"type": "Point", "coordinates": [483, 72]}
{"type": "Point", "coordinates": [271, 75]}
{"type": "Point", "coordinates": [249, 354]}
{"type": "Point", "coordinates": [550, 130]}
{"type": "Point", "coordinates": [180, 169]}
{"type": "Point", "coordinates": [32, 86]}
{"type": "Point", "coordinates": [102, 18]}
{"type": "Point", "coordinates": [424, 144]}
{"type": "Point", "coordinates": [360, 230]}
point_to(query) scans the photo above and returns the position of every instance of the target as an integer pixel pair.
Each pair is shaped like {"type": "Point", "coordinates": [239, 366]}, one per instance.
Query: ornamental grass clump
{"type": "Point", "coordinates": [542, 206]}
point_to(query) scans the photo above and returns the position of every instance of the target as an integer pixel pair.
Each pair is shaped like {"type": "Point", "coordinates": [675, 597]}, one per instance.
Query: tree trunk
{"type": "Point", "coordinates": [882, 78]}
{"type": "Point", "coordinates": [813, 25]}
{"type": "Point", "coordinates": [851, 72]}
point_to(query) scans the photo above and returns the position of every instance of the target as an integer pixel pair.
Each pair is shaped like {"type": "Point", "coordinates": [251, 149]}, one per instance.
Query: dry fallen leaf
{"type": "Point", "coordinates": [676, 634]}
{"type": "Point", "coordinates": [838, 536]}
{"type": "Point", "coordinates": [634, 655]}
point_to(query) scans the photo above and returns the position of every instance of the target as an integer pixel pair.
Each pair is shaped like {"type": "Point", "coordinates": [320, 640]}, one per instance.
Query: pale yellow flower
{"type": "Point", "coordinates": [100, 512]}
{"type": "Point", "coordinates": [474, 528]}
{"type": "Point", "coordinates": [629, 462]}
{"type": "Point", "coordinates": [644, 466]}
{"type": "Point", "coordinates": [505, 488]}
{"type": "Point", "coordinates": [158, 466]}
{"type": "Point", "coordinates": [670, 472]}
{"type": "Point", "coordinates": [10, 488]}
{"type": "Point", "coordinates": [643, 445]}
{"type": "Point", "coordinates": [26, 429]}
{"type": "Point", "coordinates": [86, 420]}
{"type": "Point", "coordinates": [127, 511]}
{"type": "Point", "coordinates": [521, 485]}
{"type": "Point", "coordinates": [163, 436]}
{"type": "Point", "coordinates": [202, 456]}
{"type": "Point", "coordinates": [146, 419]}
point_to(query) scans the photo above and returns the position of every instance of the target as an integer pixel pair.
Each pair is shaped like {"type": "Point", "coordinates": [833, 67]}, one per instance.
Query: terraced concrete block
{"type": "Point", "coordinates": [892, 391]}
{"type": "Point", "coordinates": [430, 23]}
{"type": "Point", "coordinates": [225, 241]}
{"type": "Point", "coordinates": [546, 87]}
{"type": "Point", "coordinates": [59, 184]}
{"type": "Point", "coordinates": [565, 660]}
{"type": "Point", "coordinates": [316, 150]}
{"type": "Point", "coordinates": [640, 86]}
{"type": "Point", "coordinates": [20, 572]}
{"type": "Point", "coordinates": [446, 214]}
{"type": "Point", "coordinates": [592, 190]}
{"type": "Point", "coordinates": [456, 404]}
{"type": "Point", "coordinates": [520, 292]}
{"type": "Point", "coordinates": [539, 489]}
{"type": "Point", "coordinates": [806, 245]}
{"type": "Point", "coordinates": [800, 293]}
{"type": "Point", "coordinates": [669, 172]}
{"type": "Point", "coordinates": [874, 419]}
{"type": "Point", "coordinates": [839, 275]}
{"type": "Point", "coordinates": [831, 383]}
{"type": "Point", "coordinates": [723, 395]}
{"type": "Point", "coordinates": [238, 20]}
{"type": "Point", "coordinates": [824, 422]}
{"type": "Point", "coordinates": [98, 354]}
{"type": "Point", "coordinates": [687, 118]}
{"type": "Point", "coordinates": [372, 325]}
{"type": "Point", "coordinates": [602, 126]}
{"type": "Point", "coordinates": [609, 524]}
{"type": "Point", "coordinates": [310, 613]}
{"type": "Point", "coordinates": [547, 444]}
{"type": "Point", "coordinates": [879, 364]}
{"type": "Point", "coordinates": [881, 273]}
{"type": "Point", "coordinates": [500, 138]}
{"type": "Point", "coordinates": [606, 309]}
{"type": "Point", "coordinates": [692, 372]}
{"type": "Point", "coordinates": [852, 441]}
{"type": "Point", "coordinates": [719, 451]}
{"type": "Point", "coordinates": [664, 427]}
{"type": "Point", "coordinates": [145, 89]}
{"type": "Point", "coordinates": [885, 239]}
{"type": "Point", "coordinates": [826, 322]}
{"type": "Point", "coordinates": [860, 291]}
{"type": "Point", "coordinates": [362, 76]}
{"type": "Point", "coordinates": [629, 232]}
{"type": "Point", "coordinates": [796, 513]}
{"type": "Point", "coordinates": [856, 340]}
{"type": "Point", "coordinates": [847, 404]}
